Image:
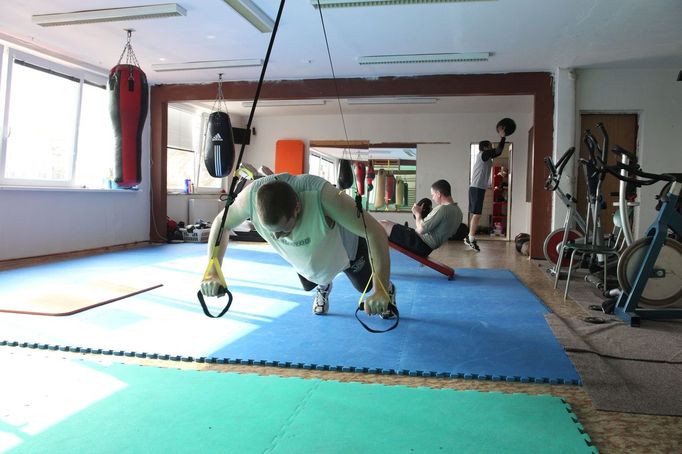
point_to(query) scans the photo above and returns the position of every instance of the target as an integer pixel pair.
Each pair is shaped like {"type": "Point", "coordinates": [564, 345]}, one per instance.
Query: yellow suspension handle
{"type": "Point", "coordinates": [213, 263]}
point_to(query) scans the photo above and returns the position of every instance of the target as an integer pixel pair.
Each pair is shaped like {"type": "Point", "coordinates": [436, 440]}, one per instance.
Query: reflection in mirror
{"type": "Point", "coordinates": [496, 214]}
{"type": "Point", "coordinates": [384, 177]}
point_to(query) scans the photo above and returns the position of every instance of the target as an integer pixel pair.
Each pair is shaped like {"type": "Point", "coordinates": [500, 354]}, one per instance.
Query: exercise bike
{"type": "Point", "coordinates": [650, 269]}
{"type": "Point", "coordinates": [553, 245]}
{"type": "Point", "coordinates": [597, 252]}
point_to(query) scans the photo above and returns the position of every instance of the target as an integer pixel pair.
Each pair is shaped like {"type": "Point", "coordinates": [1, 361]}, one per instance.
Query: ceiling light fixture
{"type": "Point", "coordinates": [406, 100]}
{"type": "Point", "coordinates": [423, 58]}
{"type": "Point", "coordinates": [286, 102]}
{"type": "Point", "coordinates": [356, 3]}
{"type": "Point", "coordinates": [215, 64]}
{"type": "Point", "coordinates": [252, 13]}
{"type": "Point", "coordinates": [92, 16]}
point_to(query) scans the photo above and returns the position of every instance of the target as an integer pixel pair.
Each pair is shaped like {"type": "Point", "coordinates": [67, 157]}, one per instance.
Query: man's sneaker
{"type": "Point", "coordinates": [472, 244]}
{"type": "Point", "coordinates": [321, 302]}
{"type": "Point", "coordinates": [387, 313]}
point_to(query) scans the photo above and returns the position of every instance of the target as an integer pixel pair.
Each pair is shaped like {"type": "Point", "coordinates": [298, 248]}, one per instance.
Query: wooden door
{"type": "Point", "coordinates": [622, 131]}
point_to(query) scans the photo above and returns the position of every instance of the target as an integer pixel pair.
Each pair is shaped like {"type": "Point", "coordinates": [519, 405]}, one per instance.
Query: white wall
{"type": "Point", "coordinates": [35, 222]}
{"type": "Point", "coordinates": [564, 137]}
{"type": "Point", "coordinates": [42, 222]}
{"type": "Point", "coordinates": [434, 161]}
{"type": "Point", "coordinates": [657, 97]}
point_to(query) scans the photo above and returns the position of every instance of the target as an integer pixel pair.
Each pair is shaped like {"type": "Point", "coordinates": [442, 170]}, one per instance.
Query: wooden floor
{"type": "Point", "coordinates": [611, 432]}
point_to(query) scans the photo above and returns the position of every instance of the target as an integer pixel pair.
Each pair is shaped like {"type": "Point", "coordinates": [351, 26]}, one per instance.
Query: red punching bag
{"type": "Point", "coordinates": [360, 177]}
{"type": "Point", "coordinates": [390, 189]}
{"type": "Point", "coordinates": [128, 105]}
{"type": "Point", "coordinates": [370, 177]}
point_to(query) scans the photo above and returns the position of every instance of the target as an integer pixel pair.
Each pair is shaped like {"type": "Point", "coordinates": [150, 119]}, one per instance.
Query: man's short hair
{"type": "Point", "coordinates": [484, 145]}
{"type": "Point", "coordinates": [275, 200]}
{"type": "Point", "coordinates": [442, 186]}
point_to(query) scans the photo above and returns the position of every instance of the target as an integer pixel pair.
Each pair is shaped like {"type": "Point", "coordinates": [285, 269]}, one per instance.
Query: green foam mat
{"type": "Point", "coordinates": [84, 406]}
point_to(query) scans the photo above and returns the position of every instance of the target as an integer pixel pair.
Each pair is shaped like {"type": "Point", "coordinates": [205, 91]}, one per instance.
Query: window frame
{"type": "Point", "coordinates": [332, 161]}
{"type": "Point", "coordinates": [200, 116]}
{"type": "Point", "coordinates": [57, 69]}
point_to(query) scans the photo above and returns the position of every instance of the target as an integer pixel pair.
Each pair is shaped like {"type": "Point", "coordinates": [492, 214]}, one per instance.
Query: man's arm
{"type": "Point", "coordinates": [238, 212]}
{"type": "Point", "coordinates": [419, 220]}
{"type": "Point", "coordinates": [489, 154]}
{"type": "Point", "coordinates": [341, 208]}
{"type": "Point", "coordinates": [431, 221]}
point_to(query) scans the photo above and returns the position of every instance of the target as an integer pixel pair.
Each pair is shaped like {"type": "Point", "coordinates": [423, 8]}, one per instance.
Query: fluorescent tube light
{"type": "Point", "coordinates": [356, 3]}
{"type": "Point", "coordinates": [252, 13]}
{"type": "Point", "coordinates": [361, 101]}
{"type": "Point", "coordinates": [92, 16]}
{"type": "Point", "coordinates": [286, 102]}
{"type": "Point", "coordinates": [423, 58]}
{"type": "Point", "coordinates": [215, 64]}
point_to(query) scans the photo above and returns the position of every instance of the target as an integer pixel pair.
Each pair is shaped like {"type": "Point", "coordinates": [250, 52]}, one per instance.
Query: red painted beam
{"type": "Point", "coordinates": [443, 269]}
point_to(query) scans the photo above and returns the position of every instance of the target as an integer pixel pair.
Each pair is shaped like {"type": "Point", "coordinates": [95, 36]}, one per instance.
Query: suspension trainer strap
{"type": "Point", "coordinates": [213, 262]}
{"type": "Point", "coordinates": [361, 305]}
{"type": "Point", "coordinates": [358, 198]}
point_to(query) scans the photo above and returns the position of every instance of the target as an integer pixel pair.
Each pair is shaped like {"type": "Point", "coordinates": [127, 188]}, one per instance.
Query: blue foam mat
{"type": "Point", "coordinates": [485, 324]}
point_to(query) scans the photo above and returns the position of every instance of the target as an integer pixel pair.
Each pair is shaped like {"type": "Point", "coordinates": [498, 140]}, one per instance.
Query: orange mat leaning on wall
{"type": "Point", "coordinates": [289, 156]}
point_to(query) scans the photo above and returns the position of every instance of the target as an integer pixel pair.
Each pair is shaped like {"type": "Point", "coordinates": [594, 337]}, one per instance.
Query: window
{"type": "Point", "coordinates": [57, 126]}
{"type": "Point", "coordinates": [185, 159]}
{"type": "Point", "coordinates": [322, 167]}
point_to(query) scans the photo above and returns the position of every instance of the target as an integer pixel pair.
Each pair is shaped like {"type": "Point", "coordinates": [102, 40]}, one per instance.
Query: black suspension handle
{"type": "Point", "coordinates": [391, 307]}
{"type": "Point", "coordinates": [204, 307]}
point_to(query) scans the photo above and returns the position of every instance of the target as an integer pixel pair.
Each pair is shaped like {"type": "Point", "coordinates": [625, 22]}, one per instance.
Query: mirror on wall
{"type": "Point", "coordinates": [386, 178]}
{"type": "Point", "coordinates": [496, 214]}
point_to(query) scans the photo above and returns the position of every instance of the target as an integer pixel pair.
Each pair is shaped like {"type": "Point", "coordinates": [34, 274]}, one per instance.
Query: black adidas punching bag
{"type": "Point", "coordinates": [128, 104]}
{"type": "Point", "coordinates": [219, 148]}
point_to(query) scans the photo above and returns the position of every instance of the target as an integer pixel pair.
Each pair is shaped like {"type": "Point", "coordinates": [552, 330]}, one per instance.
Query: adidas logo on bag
{"type": "Point", "coordinates": [217, 138]}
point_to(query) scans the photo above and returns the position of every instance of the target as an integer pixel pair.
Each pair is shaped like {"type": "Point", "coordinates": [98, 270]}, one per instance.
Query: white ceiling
{"type": "Point", "coordinates": [443, 105]}
{"type": "Point", "coordinates": [522, 35]}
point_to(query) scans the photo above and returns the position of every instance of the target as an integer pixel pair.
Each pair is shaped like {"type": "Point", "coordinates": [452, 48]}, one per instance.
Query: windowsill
{"type": "Point", "coordinates": [208, 194]}
{"type": "Point", "coordinates": [64, 189]}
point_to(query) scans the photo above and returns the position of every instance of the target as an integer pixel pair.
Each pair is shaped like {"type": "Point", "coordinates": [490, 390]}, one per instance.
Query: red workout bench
{"type": "Point", "coordinates": [443, 269]}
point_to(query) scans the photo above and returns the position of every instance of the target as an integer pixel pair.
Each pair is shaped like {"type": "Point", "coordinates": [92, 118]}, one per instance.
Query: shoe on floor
{"type": "Point", "coordinates": [472, 244]}
{"type": "Point", "coordinates": [387, 314]}
{"type": "Point", "coordinates": [321, 301]}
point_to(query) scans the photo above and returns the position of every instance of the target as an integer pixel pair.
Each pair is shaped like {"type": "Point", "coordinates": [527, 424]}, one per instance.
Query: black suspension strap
{"type": "Point", "coordinates": [229, 200]}
{"type": "Point", "coordinates": [358, 199]}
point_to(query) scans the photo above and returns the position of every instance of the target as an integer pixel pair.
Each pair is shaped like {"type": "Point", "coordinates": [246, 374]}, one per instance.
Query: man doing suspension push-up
{"type": "Point", "coordinates": [318, 230]}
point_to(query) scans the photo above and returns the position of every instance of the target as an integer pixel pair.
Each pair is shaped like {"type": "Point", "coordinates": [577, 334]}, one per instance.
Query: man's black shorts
{"type": "Point", "coordinates": [409, 239]}
{"type": "Point", "coordinates": [476, 196]}
{"type": "Point", "coordinates": [359, 271]}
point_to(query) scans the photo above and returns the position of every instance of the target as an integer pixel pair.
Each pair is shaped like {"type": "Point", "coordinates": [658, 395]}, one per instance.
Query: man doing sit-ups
{"type": "Point", "coordinates": [431, 231]}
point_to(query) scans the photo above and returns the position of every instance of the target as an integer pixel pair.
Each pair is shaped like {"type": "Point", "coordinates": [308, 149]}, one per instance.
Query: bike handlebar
{"type": "Point", "coordinates": [556, 170]}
